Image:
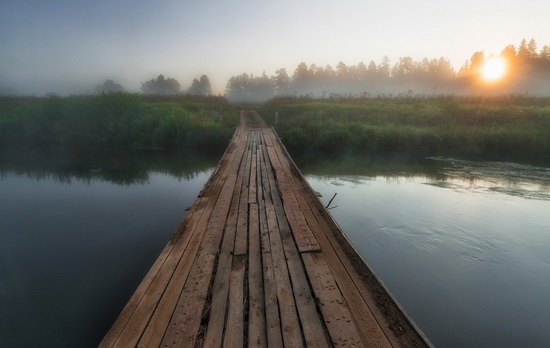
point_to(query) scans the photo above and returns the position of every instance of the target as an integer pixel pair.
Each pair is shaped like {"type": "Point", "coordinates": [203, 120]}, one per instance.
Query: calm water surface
{"type": "Point", "coordinates": [74, 246]}
{"type": "Point", "coordinates": [464, 246]}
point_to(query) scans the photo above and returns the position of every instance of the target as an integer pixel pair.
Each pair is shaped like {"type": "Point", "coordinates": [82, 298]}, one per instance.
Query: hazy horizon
{"type": "Point", "coordinates": [68, 47]}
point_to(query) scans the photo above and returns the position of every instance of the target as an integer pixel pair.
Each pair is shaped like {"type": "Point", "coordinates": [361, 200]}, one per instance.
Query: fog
{"type": "Point", "coordinates": [529, 76]}
{"type": "Point", "coordinates": [69, 47]}
{"type": "Point", "coordinates": [76, 85]}
{"type": "Point", "coordinates": [526, 72]}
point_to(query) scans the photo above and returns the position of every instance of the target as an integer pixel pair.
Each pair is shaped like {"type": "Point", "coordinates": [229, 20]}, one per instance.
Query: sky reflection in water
{"type": "Point", "coordinates": [74, 247]}
{"type": "Point", "coordinates": [465, 246]}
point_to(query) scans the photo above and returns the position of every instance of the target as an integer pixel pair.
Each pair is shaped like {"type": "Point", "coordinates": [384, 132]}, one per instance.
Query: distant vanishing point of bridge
{"type": "Point", "coordinates": [259, 262]}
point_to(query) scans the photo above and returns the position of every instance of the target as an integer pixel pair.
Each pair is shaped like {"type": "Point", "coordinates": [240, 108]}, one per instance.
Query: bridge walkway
{"type": "Point", "coordinates": [259, 262]}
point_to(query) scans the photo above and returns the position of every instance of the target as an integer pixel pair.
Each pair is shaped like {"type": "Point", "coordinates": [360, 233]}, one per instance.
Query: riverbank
{"type": "Point", "coordinates": [116, 122]}
{"type": "Point", "coordinates": [504, 128]}
{"type": "Point", "coordinates": [515, 128]}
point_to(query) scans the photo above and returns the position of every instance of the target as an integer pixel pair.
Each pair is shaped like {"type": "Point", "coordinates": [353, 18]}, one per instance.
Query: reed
{"type": "Point", "coordinates": [500, 128]}
{"type": "Point", "coordinates": [116, 121]}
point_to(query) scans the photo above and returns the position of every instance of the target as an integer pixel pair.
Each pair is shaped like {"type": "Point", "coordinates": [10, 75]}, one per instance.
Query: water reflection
{"type": "Point", "coordinates": [390, 166]}
{"type": "Point", "coordinates": [125, 168]}
{"type": "Point", "coordinates": [520, 180]}
{"type": "Point", "coordinates": [78, 235]}
{"type": "Point", "coordinates": [463, 245]}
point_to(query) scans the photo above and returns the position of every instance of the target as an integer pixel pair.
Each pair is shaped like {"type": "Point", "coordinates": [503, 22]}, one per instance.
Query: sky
{"type": "Point", "coordinates": [70, 46]}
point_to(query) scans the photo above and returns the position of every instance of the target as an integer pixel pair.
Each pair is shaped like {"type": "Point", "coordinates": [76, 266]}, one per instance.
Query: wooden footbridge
{"type": "Point", "coordinates": [259, 262]}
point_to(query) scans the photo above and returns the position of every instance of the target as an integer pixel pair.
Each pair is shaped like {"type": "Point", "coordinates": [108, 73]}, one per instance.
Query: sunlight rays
{"type": "Point", "coordinates": [494, 69]}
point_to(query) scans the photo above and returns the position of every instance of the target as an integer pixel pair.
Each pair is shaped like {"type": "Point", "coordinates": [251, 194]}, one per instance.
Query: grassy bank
{"type": "Point", "coordinates": [84, 124]}
{"type": "Point", "coordinates": [499, 128]}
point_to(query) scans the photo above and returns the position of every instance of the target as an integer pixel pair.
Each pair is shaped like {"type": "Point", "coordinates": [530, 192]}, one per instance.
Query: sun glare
{"type": "Point", "coordinates": [494, 69]}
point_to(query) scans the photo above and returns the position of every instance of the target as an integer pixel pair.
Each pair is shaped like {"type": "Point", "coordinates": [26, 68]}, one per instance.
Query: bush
{"type": "Point", "coordinates": [296, 140]}
{"type": "Point", "coordinates": [335, 140]}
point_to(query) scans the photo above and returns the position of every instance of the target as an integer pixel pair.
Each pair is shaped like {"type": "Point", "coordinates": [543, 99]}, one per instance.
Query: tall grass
{"type": "Point", "coordinates": [116, 121]}
{"type": "Point", "coordinates": [500, 128]}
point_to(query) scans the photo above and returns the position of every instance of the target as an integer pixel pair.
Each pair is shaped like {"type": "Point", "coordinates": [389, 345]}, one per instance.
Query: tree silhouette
{"type": "Point", "coordinates": [161, 86]}
{"type": "Point", "coordinates": [384, 68]}
{"type": "Point", "coordinates": [528, 70]}
{"type": "Point", "coordinates": [200, 87]}
{"type": "Point", "coordinates": [238, 88]}
{"type": "Point", "coordinates": [532, 49]}
{"type": "Point", "coordinates": [109, 86]}
{"type": "Point", "coordinates": [205, 85]}
{"type": "Point", "coordinates": [282, 82]}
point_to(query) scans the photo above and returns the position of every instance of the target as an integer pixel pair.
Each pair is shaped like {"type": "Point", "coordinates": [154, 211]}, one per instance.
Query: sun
{"type": "Point", "coordinates": [494, 69]}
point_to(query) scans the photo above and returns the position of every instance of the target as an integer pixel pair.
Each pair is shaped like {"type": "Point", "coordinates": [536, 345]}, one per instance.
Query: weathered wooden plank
{"type": "Point", "coordinates": [259, 192]}
{"type": "Point", "coordinates": [185, 322]}
{"type": "Point", "coordinates": [293, 179]}
{"type": "Point", "coordinates": [256, 311]}
{"type": "Point", "coordinates": [273, 321]}
{"type": "Point", "coordinates": [247, 162]}
{"type": "Point", "coordinates": [264, 167]}
{"type": "Point", "coordinates": [234, 330]}
{"type": "Point", "coordinates": [340, 266]}
{"type": "Point", "coordinates": [313, 329]}
{"type": "Point", "coordinates": [156, 327]}
{"type": "Point", "coordinates": [220, 290]}
{"type": "Point", "coordinates": [267, 140]}
{"type": "Point", "coordinates": [371, 331]}
{"type": "Point", "coordinates": [242, 219]}
{"type": "Point", "coordinates": [305, 239]}
{"type": "Point", "coordinates": [252, 190]}
{"type": "Point", "coordinates": [336, 314]}
{"type": "Point", "coordinates": [369, 328]}
{"type": "Point", "coordinates": [216, 319]}
{"type": "Point", "coordinates": [290, 322]}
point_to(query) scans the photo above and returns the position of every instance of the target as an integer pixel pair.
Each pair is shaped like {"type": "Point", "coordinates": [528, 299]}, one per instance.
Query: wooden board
{"type": "Point", "coordinates": [256, 312]}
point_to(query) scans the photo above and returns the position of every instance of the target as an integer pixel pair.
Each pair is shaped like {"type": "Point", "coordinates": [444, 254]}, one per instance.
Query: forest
{"type": "Point", "coordinates": [527, 72]}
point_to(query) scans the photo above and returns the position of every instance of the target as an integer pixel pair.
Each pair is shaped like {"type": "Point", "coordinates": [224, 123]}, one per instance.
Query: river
{"type": "Point", "coordinates": [464, 246]}
{"type": "Point", "coordinates": [77, 238]}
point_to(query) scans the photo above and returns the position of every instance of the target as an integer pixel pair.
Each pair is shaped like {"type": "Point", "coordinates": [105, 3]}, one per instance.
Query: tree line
{"type": "Point", "coordinates": [162, 86]}
{"type": "Point", "coordinates": [528, 71]}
